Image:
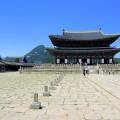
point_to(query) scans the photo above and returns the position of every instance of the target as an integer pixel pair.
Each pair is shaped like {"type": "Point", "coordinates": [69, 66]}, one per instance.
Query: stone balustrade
{"type": "Point", "coordinates": [58, 68]}
{"type": "Point", "coordinates": [53, 68]}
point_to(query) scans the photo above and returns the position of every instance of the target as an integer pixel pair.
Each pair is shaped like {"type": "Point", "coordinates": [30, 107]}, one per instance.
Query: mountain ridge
{"type": "Point", "coordinates": [39, 55]}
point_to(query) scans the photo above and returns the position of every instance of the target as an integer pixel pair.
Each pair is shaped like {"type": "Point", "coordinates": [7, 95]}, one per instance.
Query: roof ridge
{"type": "Point", "coordinates": [117, 34]}
{"type": "Point", "coordinates": [89, 31]}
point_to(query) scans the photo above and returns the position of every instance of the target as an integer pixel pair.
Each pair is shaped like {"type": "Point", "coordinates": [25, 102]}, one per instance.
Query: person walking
{"type": "Point", "coordinates": [84, 69]}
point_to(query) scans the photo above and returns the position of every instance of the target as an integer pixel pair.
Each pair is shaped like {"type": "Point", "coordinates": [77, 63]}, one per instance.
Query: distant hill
{"type": "Point", "coordinates": [117, 60]}
{"type": "Point", "coordinates": [13, 59]}
{"type": "Point", "coordinates": [39, 55]}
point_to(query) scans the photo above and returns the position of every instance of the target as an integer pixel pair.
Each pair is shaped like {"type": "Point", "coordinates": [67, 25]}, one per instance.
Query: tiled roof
{"type": "Point", "coordinates": [15, 64]}
{"type": "Point", "coordinates": [1, 63]}
{"type": "Point", "coordinates": [87, 35]}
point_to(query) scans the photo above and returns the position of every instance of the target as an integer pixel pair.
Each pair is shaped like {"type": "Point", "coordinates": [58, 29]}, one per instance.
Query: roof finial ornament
{"type": "Point", "coordinates": [63, 31]}
{"type": "Point", "coordinates": [100, 29]}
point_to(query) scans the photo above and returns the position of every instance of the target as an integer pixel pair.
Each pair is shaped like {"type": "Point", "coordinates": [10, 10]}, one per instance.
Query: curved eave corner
{"type": "Point", "coordinates": [117, 49]}
{"type": "Point", "coordinates": [112, 35]}
{"type": "Point", "coordinates": [54, 36]}
{"type": "Point", "coordinates": [50, 50]}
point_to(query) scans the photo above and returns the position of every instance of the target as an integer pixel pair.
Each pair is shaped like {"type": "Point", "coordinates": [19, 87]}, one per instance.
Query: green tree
{"type": "Point", "coordinates": [17, 60]}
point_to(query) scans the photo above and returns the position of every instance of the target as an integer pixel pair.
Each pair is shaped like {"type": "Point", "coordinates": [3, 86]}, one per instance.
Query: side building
{"type": "Point", "coordinates": [6, 66]}
{"type": "Point", "coordinates": [91, 47]}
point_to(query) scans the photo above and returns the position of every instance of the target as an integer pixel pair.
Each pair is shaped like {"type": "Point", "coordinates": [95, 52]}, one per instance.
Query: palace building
{"type": "Point", "coordinates": [91, 47]}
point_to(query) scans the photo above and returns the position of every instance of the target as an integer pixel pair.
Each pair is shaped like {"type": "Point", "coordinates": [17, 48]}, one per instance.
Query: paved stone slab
{"type": "Point", "coordinates": [94, 97]}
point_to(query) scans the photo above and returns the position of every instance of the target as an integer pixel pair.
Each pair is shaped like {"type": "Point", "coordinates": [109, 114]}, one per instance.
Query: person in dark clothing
{"type": "Point", "coordinates": [84, 71]}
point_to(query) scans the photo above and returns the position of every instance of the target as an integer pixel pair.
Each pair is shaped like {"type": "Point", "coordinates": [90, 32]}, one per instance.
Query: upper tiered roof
{"type": "Point", "coordinates": [83, 39]}
{"type": "Point", "coordinates": [87, 35]}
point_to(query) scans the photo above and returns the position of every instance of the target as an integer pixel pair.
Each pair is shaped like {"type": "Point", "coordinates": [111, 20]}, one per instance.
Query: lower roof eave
{"type": "Point", "coordinates": [56, 52]}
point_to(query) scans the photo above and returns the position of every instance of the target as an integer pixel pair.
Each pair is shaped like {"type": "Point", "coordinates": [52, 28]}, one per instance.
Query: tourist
{"type": "Point", "coordinates": [85, 69]}
{"type": "Point", "coordinates": [84, 72]}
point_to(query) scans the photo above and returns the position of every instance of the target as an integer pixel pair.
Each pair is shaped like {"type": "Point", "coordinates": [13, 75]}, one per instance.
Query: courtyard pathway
{"type": "Point", "coordinates": [94, 97]}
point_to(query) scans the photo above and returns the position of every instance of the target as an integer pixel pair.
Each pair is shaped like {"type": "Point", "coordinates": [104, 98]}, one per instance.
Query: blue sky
{"type": "Point", "coordinates": [24, 24]}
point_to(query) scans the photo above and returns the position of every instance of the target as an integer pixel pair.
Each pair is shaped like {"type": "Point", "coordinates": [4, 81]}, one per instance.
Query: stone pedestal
{"type": "Point", "coordinates": [80, 61]}
{"type": "Point", "coordinates": [88, 61]}
{"type": "Point", "coordinates": [102, 60]}
{"type": "Point", "coordinates": [58, 61]}
{"type": "Point", "coordinates": [65, 61]}
{"type": "Point", "coordinates": [110, 61]}
{"type": "Point", "coordinates": [56, 82]}
{"type": "Point", "coordinates": [46, 92]}
{"type": "Point", "coordinates": [36, 104]}
{"type": "Point", "coordinates": [52, 87]}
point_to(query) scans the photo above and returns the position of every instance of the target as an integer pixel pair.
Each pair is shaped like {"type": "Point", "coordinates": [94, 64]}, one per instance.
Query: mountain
{"type": "Point", "coordinates": [39, 55]}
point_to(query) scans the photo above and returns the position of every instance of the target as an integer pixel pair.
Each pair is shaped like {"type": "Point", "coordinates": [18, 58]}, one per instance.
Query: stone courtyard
{"type": "Point", "coordinates": [94, 97]}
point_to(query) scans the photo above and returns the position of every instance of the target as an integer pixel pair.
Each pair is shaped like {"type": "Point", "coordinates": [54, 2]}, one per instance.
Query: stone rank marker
{"type": "Point", "coordinates": [36, 104]}
{"type": "Point", "coordinates": [46, 92]}
{"type": "Point", "coordinates": [52, 87]}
